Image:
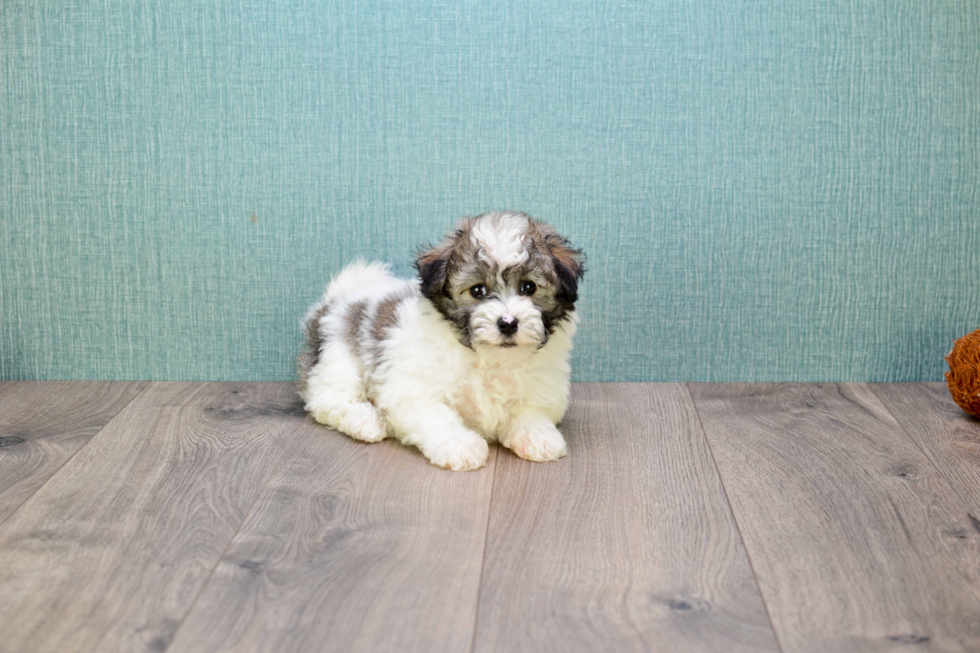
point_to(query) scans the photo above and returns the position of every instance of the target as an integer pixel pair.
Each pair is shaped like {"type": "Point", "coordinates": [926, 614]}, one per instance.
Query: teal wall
{"type": "Point", "coordinates": [767, 190]}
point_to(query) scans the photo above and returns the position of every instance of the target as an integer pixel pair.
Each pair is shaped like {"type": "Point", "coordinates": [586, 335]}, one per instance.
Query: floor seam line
{"type": "Point", "coordinates": [72, 457]}
{"type": "Point", "coordinates": [258, 495]}
{"type": "Point", "coordinates": [486, 539]}
{"type": "Point", "coordinates": [731, 511]}
{"type": "Point", "coordinates": [936, 467]}
{"type": "Point", "coordinates": [925, 454]}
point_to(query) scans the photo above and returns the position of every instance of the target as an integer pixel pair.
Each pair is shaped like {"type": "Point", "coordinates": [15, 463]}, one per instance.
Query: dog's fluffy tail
{"type": "Point", "coordinates": [355, 279]}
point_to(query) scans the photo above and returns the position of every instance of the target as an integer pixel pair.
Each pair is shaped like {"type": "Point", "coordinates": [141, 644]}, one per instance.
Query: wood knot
{"type": "Point", "coordinates": [909, 638]}
{"type": "Point", "coordinates": [969, 446]}
{"type": "Point", "coordinates": [684, 604]}
{"type": "Point", "coordinates": [905, 470]}
{"type": "Point", "coordinates": [974, 521]}
{"type": "Point", "coordinates": [956, 532]}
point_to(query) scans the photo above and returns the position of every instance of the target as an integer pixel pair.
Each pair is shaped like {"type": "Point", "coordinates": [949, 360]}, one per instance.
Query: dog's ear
{"type": "Point", "coordinates": [569, 266]}
{"type": "Point", "coordinates": [433, 268]}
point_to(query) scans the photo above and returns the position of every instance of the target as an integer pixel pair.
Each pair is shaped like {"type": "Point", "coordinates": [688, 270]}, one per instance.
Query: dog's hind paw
{"type": "Point", "coordinates": [360, 421]}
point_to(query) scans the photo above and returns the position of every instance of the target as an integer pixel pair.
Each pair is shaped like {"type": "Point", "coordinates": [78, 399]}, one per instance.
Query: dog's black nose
{"type": "Point", "coordinates": [507, 325]}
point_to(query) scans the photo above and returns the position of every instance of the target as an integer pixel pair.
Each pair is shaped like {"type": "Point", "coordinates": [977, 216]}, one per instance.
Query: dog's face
{"type": "Point", "coordinates": [502, 279]}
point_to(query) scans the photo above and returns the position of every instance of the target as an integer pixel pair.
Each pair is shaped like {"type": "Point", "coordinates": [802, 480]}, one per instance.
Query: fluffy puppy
{"type": "Point", "coordinates": [474, 350]}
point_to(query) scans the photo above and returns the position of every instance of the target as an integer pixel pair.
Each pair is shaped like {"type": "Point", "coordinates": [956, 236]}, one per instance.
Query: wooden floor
{"type": "Point", "coordinates": [209, 517]}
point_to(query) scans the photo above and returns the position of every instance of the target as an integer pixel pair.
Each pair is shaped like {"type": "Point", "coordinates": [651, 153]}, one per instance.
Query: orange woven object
{"type": "Point", "coordinates": [963, 377]}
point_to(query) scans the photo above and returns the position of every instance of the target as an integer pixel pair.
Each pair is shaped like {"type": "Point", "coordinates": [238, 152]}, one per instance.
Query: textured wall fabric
{"type": "Point", "coordinates": [766, 189]}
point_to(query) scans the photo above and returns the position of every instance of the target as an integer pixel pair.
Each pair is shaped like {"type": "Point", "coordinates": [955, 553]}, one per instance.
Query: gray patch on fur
{"type": "Point", "coordinates": [352, 326]}
{"type": "Point", "coordinates": [310, 356]}
{"type": "Point", "coordinates": [385, 318]}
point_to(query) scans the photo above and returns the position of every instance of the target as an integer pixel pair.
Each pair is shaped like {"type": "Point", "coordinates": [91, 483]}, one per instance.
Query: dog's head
{"type": "Point", "coordinates": [502, 279]}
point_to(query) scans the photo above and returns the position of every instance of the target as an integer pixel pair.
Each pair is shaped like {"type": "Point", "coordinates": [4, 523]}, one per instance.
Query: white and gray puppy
{"type": "Point", "coordinates": [473, 350]}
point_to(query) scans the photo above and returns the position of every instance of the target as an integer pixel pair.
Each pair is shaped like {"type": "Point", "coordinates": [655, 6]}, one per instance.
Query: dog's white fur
{"type": "Point", "coordinates": [413, 378]}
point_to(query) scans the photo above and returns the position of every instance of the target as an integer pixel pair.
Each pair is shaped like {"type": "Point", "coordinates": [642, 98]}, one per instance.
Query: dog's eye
{"type": "Point", "coordinates": [478, 291]}
{"type": "Point", "coordinates": [528, 288]}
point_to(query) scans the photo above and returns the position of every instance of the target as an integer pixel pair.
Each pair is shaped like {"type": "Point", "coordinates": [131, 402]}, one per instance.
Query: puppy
{"type": "Point", "coordinates": [474, 350]}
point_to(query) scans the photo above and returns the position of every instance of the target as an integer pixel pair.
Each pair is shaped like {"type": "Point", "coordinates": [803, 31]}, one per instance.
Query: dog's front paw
{"type": "Point", "coordinates": [539, 441]}
{"type": "Point", "coordinates": [460, 453]}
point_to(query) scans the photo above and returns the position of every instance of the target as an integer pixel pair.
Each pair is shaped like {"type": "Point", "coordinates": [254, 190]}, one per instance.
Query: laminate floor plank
{"type": "Point", "coordinates": [111, 552]}
{"type": "Point", "coordinates": [351, 547]}
{"type": "Point", "coordinates": [627, 544]}
{"type": "Point", "coordinates": [947, 436]}
{"type": "Point", "coordinates": [44, 423]}
{"type": "Point", "coordinates": [858, 541]}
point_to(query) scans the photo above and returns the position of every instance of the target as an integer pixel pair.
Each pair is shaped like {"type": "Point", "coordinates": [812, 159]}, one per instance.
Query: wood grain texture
{"type": "Point", "coordinates": [110, 554]}
{"type": "Point", "coordinates": [627, 544]}
{"type": "Point", "coordinates": [43, 424]}
{"type": "Point", "coordinates": [858, 541]}
{"type": "Point", "coordinates": [947, 436]}
{"type": "Point", "coordinates": [351, 547]}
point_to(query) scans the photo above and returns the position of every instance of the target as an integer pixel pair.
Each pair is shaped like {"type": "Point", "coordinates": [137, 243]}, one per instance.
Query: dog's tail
{"type": "Point", "coordinates": [355, 279]}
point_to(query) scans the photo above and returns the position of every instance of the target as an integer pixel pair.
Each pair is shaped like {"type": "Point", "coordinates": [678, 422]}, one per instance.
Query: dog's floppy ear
{"type": "Point", "coordinates": [569, 266]}
{"type": "Point", "coordinates": [433, 268]}
{"type": "Point", "coordinates": [569, 269]}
